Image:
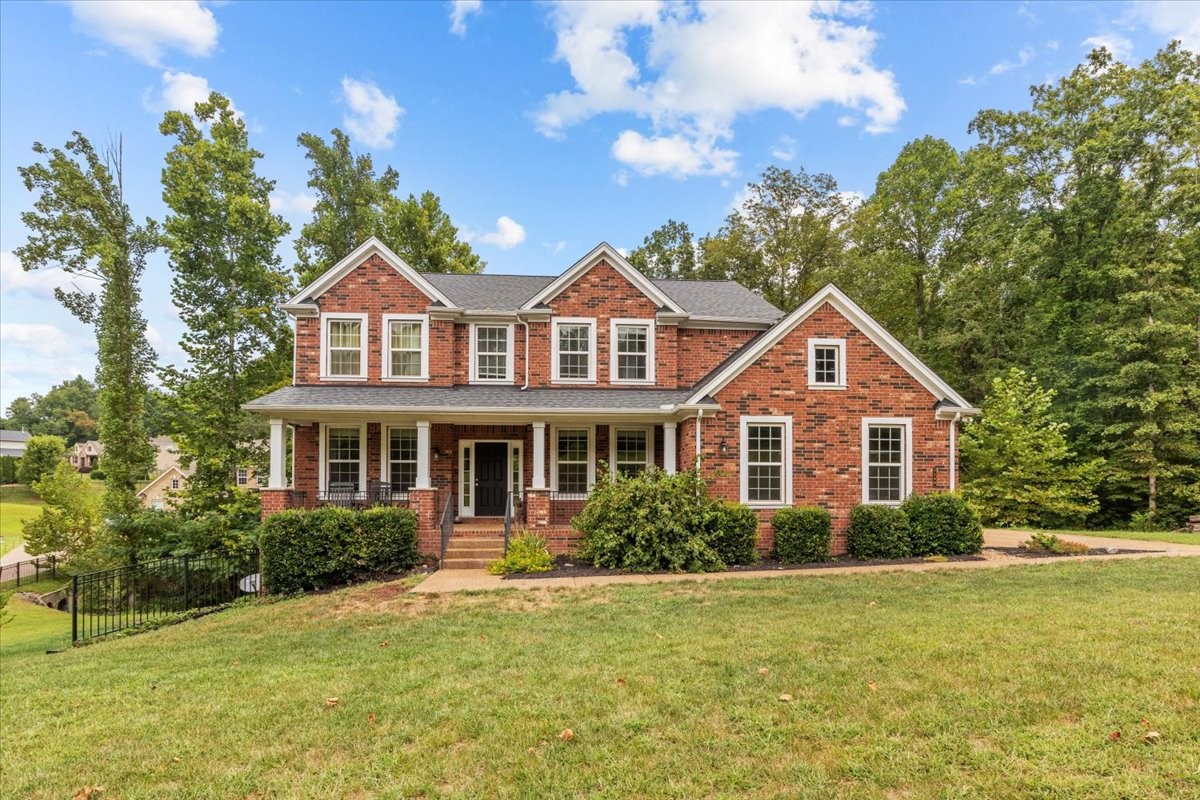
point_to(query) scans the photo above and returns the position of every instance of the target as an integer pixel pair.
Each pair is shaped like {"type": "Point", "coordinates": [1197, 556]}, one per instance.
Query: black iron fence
{"type": "Point", "coordinates": [112, 600]}
{"type": "Point", "coordinates": [29, 571]}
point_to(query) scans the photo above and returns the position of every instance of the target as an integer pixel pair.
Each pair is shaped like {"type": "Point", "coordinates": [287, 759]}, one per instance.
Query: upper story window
{"type": "Point", "coordinates": [632, 351]}
{"type": "Point", "coordinates": [243, 476]}
{"type": "Point", "coordinates": [406, 347]}
{"type": "Point", "coordinates": [887, 459]}
{"type": "Point", "coordinates": [574, 350]}
{"type": "Point", "coordinates": [343, 346]}
{"type": "Point", "coordinates": [827, 363]}
{"type": "Point", "coordinates": [766, 461]}
{"type": "Point", "coordinates": [174, 483]}
{"type": "Point", "coordinates": [492, 353]}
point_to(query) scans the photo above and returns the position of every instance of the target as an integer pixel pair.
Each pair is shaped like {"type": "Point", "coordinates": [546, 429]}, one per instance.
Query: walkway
{"type": "Point", "coordinates": [460, 580]}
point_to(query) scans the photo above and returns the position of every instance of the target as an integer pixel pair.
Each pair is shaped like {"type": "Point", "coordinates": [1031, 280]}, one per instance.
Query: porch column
{"type": "Point", "coordinates": [539, 455]}
{"type": "Point", "coordinates": [278, 476]}
{"type": "Point", "coordinates": [423, 481]}
{"type": "Point", "coordinates": [669, 447]}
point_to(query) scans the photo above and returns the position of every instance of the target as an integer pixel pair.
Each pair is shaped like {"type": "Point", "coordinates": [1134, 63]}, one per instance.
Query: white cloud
{"type": "Point", "coordinates": [459, 11]}
{"type": "Point", "coordinates": [373, 116]}
{"type": "Point", "coordinates": [292, 204]}
{"type": "Point", "coordinates": [147, 28]}
{"type": "Point", "coordinates": [555, 247]}
{"type": "Point", "coordinates": [508, 234]}
{"type": "Point", "coordinates": [1052, 44]}
{"type": "Point", "coordinates": [1025, 11]}
{"type": "Point", "coordinates": [846, 121]}
{"type": "Point", "coordinates": [1171, 19]}
{"type": "Point", "coordinates": [704, 66]}
{"type": "Point", "coordinates": [621, 177]}
{"type": "Point", "coordinates": [784, 149]}
{"type": "Point", "coordinates": [180, 91]}
{"type": "Point", "coordinates": [1120, 47]}
{"type": "Point", "coordinates": [1023, 57]}
{"type": "Point", "coordinates": [36, 339]}
{"type": "Point", "coordinates": [35, 356]}
{"type": "Point", "coordinates": [39, 283]}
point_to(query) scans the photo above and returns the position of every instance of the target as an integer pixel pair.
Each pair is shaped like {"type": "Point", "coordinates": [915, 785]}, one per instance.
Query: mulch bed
{"type": "Point", "coordinates": [1020, 552]}
{"type": "Point", "coordinates": [566, 567]}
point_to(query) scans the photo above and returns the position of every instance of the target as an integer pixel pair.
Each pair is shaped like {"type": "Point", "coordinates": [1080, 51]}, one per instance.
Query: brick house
{"type": "Point", "coordinates": [472, 398]}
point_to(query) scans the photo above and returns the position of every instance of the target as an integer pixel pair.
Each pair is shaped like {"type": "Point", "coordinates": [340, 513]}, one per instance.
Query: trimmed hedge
{"type": "Point", "coordinates": [878, 532]}
{"type": "Point", "coordinates": [802, 535]}
{"type": "Point", "coordinates": [942, 523]}
{"type": "Point", "coordinates": [732, 531]}
{"type": "Point", "coordinates": [305, 550]}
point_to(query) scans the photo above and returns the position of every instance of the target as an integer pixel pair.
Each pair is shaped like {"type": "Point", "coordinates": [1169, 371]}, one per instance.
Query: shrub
{"type": "Point", "coordinates": [942, 523]}
{"type": "Point", "coordinates": [8, 469]}
{"type": "Point", "coordinates": [42, 455]}
{"type": "Point", "coordinates": [802, 535]}
{"type": "Point", "coordinates": [526, 553]}
{"type": "Point", "coordinates": [68, 523]}
{"type": "Point", "coordinates": [387, 539]}
{"type": "Point", "coordinates": [878, 532]}
{"type": "Point", "coordinates": [732, 531]}
{"type": "Point", "coordinates": [1052, 543]}
{"type": "Point", "coordinates": [97, 474]}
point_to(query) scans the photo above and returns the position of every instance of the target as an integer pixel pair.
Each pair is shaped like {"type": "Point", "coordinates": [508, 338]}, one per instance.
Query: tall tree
{"type": "Point", "coordinates": [670, 251]}
{"type": "Point", "coordinates": [67, 410]}
{"type": "Point", "coordinates": [221, 238]}
{"type": "Point", "coordinates": [421, 233]}
{"type": "Point", "coordinates": [81, 223]}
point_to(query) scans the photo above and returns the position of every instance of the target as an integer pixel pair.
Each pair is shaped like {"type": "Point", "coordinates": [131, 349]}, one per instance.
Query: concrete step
{"type": "Point", "coordinates": [473, 532]}
{"type": "Point", "coordinates": [467, 552]}
{"type": "Point", "coordinates": [467, 563]}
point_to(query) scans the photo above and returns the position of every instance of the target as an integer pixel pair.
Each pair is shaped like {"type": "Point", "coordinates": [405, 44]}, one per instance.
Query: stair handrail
{"type": "Point", "coordinates": [447, 524]}
{"type": "Point", "coordinates": [508, 514]}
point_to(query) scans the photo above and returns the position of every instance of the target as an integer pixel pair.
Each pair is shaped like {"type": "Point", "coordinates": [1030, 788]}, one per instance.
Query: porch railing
{"type": "Point", "coordinates": [379, 495]}
{"type": "Point", "coordinates": [565, 506]}
{"type": "Point", "coordinates": [508, 519]}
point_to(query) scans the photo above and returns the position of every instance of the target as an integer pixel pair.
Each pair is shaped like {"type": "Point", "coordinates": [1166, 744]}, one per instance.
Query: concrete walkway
{"type": "Point", "coordinates": [461, 580]}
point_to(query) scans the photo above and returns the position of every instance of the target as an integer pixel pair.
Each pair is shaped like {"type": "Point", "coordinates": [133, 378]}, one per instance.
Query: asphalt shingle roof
{"type": "Point", "coordinates": [488, 292]}
{"type": "Point", "coordinates": [719, 299]}
{"type": "Point", "coordinates": [433, 398]}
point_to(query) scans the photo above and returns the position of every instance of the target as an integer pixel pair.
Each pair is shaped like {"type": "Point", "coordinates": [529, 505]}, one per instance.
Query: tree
{"type": "Point", "coordinates": [42, 455]}
{"type": "Point", "coordinates": [1018, 467]}
{"type": "Point", "coordinates": [221, 238]}
{"type": "Point", "coordinates": [421, 233]}
{"type": "Point", "coordinates": [67, 410]}
{"type": "Point", "coordinates": [68, 522]}
{"type": "Point", "coordinates": [80, 222]}
{"type": "Point", "coordinates": [670, 251]}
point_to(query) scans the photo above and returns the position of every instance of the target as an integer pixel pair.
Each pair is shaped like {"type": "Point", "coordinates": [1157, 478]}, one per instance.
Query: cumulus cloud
{"type": "Point", "coordinates": [39, 283]}
{"type": "Point", "coordinates": [35, 356]}
{"type": "Point", "coordinates": [703, 66]}
{"type": "Point", "coordinates": [459, 11]}
{"type": "Point", "coordinates": [1023, 57]}
{"type": "Point", "coordinates": [372, 116]}
{"type": "Point", "coordinates": [179, 91]}
{"type": "Point", "coordinates": [508, 234]}
{"type": "Point", "coordinates": [1171, 19]}
{"type": "Point", "coordinates": [1120, 46]}
{"type": "Point", "coordinates": [785, 148]}
{"type": "Point", "coordinates": [292, 204]}
{"type": "Point", "coordinates": [146, 29]}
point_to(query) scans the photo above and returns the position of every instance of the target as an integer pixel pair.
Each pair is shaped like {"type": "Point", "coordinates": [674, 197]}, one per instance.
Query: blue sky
{"type": "Point", "coordinates": [545, 128]}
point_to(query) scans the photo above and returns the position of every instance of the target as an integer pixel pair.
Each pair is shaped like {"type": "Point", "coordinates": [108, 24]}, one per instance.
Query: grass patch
{"type": "Point", "coordinates": [17, 504]}
{"type": "Point", "coordinates": [29, 629]}
{"type": "Point", "coordinates": [990, 683]}
{"type": "Point", "coordinates": [1139, 536]}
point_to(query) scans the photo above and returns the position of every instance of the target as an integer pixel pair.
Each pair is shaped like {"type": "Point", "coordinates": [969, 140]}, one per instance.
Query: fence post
{"type": "Point", "coordinates": [37, 570]}
{"type": "Point", "coordinates": [74, 609]}
{"type": "Point", "coordinates": [186, 582]}
{"type": "Point", "coordinates": [53, 566]}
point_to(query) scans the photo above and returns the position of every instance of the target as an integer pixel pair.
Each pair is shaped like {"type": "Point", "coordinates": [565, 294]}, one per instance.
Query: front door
{"type": "Point", "coordinates": [491, 478]}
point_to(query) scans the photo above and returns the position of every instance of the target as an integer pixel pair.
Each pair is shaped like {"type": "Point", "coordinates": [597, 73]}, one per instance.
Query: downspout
{"type": "Point", "coordinates": [954, 451]}
{"type": "Point", "coordinates": [699, 415]}
{"type": "Point", "coordinates": [525, 325]}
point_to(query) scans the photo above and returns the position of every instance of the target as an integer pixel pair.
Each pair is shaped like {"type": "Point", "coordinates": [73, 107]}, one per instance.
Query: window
{"type": "Point", "coordinates": [402, 458]}
{"type": "Point", "coordinates": [159, 505]}
{"type": "Point", "coordinates": [343, 456]}
{"type": "Point", "coordinates": [405, 348]}
{"type": "Point", "coordinates": [174, 483]}
{"type": "Point", "coordinates": [243, 476]}
{"type": "Point", "coordinates": [342, 352]}
{"type": "Point", "coordinates": [467, 484]}
{"type": "Point", "coordinates": [827, 363]}
{"type": "Point", "coordinates": [632, 351]}
{"type": "Point", "coordinates": [575, 350]}
{"type": "Point", "coordinates": [491, 353]}
{"type": "Point", "coordinates": [887, 460]}
{"type": "Point", "coordinates": [766, 458]}
{"type": "Point", "coordinates": [517, 465]}
{"type": "Point", "coordinates": [632, 450]}
{"type": "Point", "coordinates": [573, 465]}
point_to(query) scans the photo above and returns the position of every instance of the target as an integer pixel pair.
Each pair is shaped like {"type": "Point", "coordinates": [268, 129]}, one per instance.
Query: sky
{"type": "Point", "coordinates": [545, 128]}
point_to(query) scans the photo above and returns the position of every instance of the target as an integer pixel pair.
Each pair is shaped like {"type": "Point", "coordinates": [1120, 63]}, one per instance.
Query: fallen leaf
{"type": "Point", "coordinates": [786, 698]}
{"type": "Point", "coordinates": [483, 638]}
{"type": "Point", "coordinates": [1151, 737]}
{"type": "Point", "coordinates": [620, 681]}
{"type": "Point", "coordinates": [567, 735]}
{"type": "Point", "coordinates": [763, 670]}
{"type": "Point", "coordinates": [872, 604]}
{"type": "Point", "coordinates": [1145, 721]}
{"type": "Point", "coordinates": [532, 751]}
{"type": "Point", "coordinates": [87, 792]}
{"type": "Point", "coordinates": [371, 718]}
{"type": "Point", "coordinates": [176, 759]}
{"type": "Point", "coordinates": [235, 663]}
{"type": "Point", "coordinates": [658, 636]}
{"type": "Point", "coordinates": [873, 686]}
{"type": "Point", "coordinates": [384, 643]}
{"type": "Point", "coordinates": [330, 702]}
{"type": "Point", "coordinates": [1114, 736]}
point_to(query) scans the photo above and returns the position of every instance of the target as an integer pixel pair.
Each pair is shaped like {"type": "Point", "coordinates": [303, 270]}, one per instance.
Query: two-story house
{"type": "Point", "coordinates": [475, 396]}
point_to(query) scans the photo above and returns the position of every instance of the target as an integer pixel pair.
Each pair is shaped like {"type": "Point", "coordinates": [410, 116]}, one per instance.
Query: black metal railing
{"type": "Point", "coordinates": [565, 506]}
{"type": "Point", "coordinates": [29, 571]}
{"type": "Point", "coordinates": [447, 522]}
{"type": "Point", "coordinates": [508, 519]}
{"type": "Point", "coordinates": [113, 600]}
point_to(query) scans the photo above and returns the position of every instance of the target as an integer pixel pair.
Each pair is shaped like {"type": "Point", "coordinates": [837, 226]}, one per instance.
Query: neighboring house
{"type": "Point", "coordinates": [171, 478]}
{"type": "Point", "coordinates": [85, 456]}
{"type": "Point", "coordinates": [465, 393]}
{"type": "Point", "coordinates": [13, 443]}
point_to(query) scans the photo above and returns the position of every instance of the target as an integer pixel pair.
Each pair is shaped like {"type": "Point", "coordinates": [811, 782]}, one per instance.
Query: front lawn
{"type": "Point", "coordinates": [17, 504]}
{"type": "Point", "coordinates": [1140, 536]}
{"type": "Point", "coordinates": [983, 683]}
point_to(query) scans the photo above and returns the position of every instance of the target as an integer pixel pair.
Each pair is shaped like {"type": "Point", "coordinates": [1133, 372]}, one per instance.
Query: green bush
{"type": "Point", "coordinates": [526, 553]}
{"type": "Point", "coordinates": [42, 455]}
{"type": "Point", "coordinates": [802, 535]}
{"type": "Point", "coordinates": [96, 474]}
{"type": "Point", "coordinates": [303, 550]}
{"type": "Point", "coordinates": [942, 523]}
{"type": "Point", "coordinates": [732, 531]}
{"type": "Point", "coordinates": [878, 532]}
{"type": "Point", "coordinates": [8, 469]}
{"type": "Point", "coordinates": [1040, 542]}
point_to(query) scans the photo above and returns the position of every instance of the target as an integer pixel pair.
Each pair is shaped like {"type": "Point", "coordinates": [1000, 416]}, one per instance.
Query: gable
{"type": "Point", "coordinates": [602, 292]}
{"type": "Point", "coordinates": [173, 472]}
{"type": "Point", "coordinates": [303, 299]}
{"type": "Point", "coordinates": [603, 254]}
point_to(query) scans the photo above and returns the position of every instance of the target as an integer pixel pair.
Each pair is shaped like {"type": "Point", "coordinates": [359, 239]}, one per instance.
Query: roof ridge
{"type": "Point", "coordinates": [488, 275]}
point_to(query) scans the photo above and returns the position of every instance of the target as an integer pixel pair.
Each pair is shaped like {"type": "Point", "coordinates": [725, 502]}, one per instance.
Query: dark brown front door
{"type": "Point", "coordinates": [491, 479]}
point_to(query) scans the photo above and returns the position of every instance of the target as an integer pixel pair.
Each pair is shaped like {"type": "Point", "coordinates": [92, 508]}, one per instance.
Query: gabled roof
{"type": "Point", "coordinates": [341, 269]}
{"type": "Point", "coordinates": [747, 355]}
{"type": "Point", "coordinates": [603, 252]}
{"type": "Point", "coordinates": [168, 472]}
{"type": "Point", "coordinates": [486, 292]}
{"type": "Point", "coordinates": [719, 300]}
{"type": "Point", "coordinates": [14, 436]}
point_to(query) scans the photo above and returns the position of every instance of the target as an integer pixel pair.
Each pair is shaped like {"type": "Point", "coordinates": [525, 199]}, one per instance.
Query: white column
{"type": "Point", "coordinates": [278, 476]}
{"type": "Point", "coordinates": [423, 481]}
{"type": "Point", "coordinates": [669, 447]}
{"type": "Point", "coordinates": [539, 455]}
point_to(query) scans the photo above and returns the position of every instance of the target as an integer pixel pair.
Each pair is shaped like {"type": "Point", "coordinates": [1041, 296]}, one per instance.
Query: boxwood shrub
{"type": "Point", "coordinates": [942, 523]}
{"type": "Point", "coordinates": [732, 531]}
{"type": "Point", "coordinates": [802, 535]}
{"type": "Point", "coordinates": [305, 550]}
{"type": "Point", "coordinates": [878, 532]}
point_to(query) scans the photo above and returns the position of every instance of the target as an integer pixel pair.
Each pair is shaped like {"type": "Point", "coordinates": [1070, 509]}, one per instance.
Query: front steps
{"type": "Point", "coordinates": [474, 547]}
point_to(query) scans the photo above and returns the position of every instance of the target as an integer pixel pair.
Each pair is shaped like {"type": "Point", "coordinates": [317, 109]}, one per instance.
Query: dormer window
{"type": "Point", "coordinates": [632, 351]}
{"type": "Point", "coordinates": [343, 351]}
{"type": "Point", "coordinates": [574, 350]}
{"type": "Point", "coordinates": [491, 353]}
{"type": "Point", "coordinates": [406, 347]}
{"type": "Point", "coordinates": [827, 363]}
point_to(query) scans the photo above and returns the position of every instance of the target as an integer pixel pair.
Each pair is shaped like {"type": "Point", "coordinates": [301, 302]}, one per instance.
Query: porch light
{"type": "Point", "coordinates": [724, 448]}
{"type": "Point", "coordinates": [437, 453]}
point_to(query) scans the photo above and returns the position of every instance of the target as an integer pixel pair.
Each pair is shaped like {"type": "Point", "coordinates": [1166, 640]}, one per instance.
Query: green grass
{"type": "Point", "coordinates": [30, 629]}
{"type": "Point", "coordinates": [1140, 536]}
{"type": "Point", "coordinates": [17, 504]}
{"type": "Point", "coordinates": [993, 683]}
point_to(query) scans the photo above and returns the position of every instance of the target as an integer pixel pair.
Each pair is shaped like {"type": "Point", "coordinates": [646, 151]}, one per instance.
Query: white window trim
{"type": "Point", "coordinates": [612, 444]}
{"type": "Point", "coordinates": [516, 449]}
{"type": "Point", "coordinates": [326, 318]}
{"type": "Point", "coordinates": [508, 362]}
{"type": "Point", "coordinates": [323, 433]}
{"type": "Point", "coordinates": [744, 464]}
{"type": "Point", "coordinates": [591, 465]}
{"type": "Point", "coordinates": [906, 464]}
{"type": "Point", "coordinates": [613, 371]}
{"type": "Point", "coordinates": [386, 349]}
{"type": "Point", "coordinates": [241, 476]}
{"type": "Point", "coordinates": [813, 344]}
{"type": "Point", "coordinates": [554, 366]}
{"type": "Point", "coordinates": [385, 449]}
